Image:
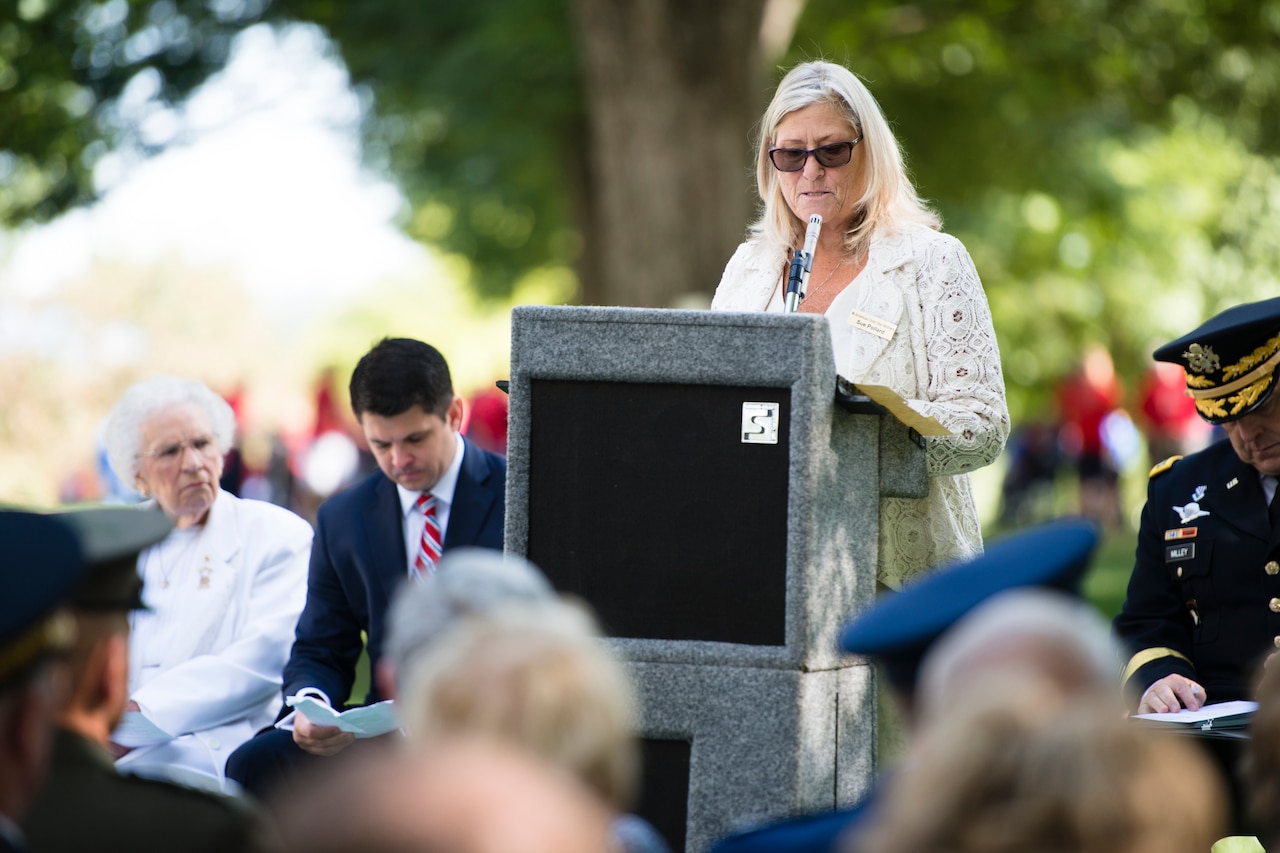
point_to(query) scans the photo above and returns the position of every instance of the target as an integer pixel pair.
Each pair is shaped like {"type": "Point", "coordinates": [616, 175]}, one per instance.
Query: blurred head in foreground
{"type": "Point", "coordinates": [42, 564]}
{"type": "Point", "coordinates": [1022, 765]}
{"type": "Point", "coordinates": [458, 796]}
{"type": "Point", "coordinates": [1037, 632]}
{"type": "Point", "coordinates": [469, 582]}
{"type": "Point", "coordinates": [1262, 759]}
{"type": "Point", "coordinates": [900, 630]}
{"type": "Point", "coordinates": [536, 676]}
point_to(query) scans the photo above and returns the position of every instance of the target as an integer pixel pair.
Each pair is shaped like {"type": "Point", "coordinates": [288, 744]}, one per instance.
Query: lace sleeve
{"type": "Point", "coordinates": [965, 383]}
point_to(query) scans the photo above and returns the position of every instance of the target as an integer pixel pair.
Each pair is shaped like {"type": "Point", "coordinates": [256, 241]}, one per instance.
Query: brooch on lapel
{"type": "Point", "coordinates": [1192, 509]}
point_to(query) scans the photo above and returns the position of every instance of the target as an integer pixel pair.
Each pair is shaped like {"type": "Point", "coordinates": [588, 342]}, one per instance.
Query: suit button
{"type": "Point", "coordinates": [1179, 571]}
{"type": "Point", "coordinates": [1271, 568]}
{"type": "Point", "coordinates": [1275, 605]}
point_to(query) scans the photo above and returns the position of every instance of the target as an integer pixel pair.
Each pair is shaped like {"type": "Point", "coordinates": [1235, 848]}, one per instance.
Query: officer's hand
{"type": "Point", "coordinates": [1170, 694]}
{"type": "Point", "coordinates": [320, 740]}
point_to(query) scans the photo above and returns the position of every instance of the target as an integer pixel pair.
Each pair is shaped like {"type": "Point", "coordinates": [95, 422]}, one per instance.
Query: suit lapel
{"type": "Point", "coordinates": [471, 499]}
{"type": "Point", "coordinates": [385, 532]}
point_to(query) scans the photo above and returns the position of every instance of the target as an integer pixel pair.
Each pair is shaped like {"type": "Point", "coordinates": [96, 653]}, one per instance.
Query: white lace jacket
{"type": "Point", "coordinates": [942, 358]}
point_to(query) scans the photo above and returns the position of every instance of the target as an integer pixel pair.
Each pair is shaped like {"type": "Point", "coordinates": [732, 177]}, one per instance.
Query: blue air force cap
{"type": "Point", "coordinates": [41, 563]}
{"type": "Point", "coordinates": [111, 538]}
{"type": "Point", "coordinates": [900, 627]}
{"type": "Point", "coordinates": [1231, 360]}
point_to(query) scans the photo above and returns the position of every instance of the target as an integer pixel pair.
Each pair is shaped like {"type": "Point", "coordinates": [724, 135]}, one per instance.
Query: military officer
{"type": "Point", "coordinates": [1203, 604]}
{"type": "Point", "coordinates": [40, 567]}
{"type": "Point", "coordinates": [86, 804]}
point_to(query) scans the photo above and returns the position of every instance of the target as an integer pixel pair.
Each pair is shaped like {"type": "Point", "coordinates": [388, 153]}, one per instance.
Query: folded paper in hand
{"type": "Point", "coordinates": [367, 721]}
{"type": "Point", "coordinates": [897, 406]}
{"type": "Point", "coordinates": [135, 730]}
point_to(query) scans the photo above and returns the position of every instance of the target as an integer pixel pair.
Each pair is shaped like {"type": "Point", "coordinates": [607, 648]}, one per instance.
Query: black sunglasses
{"type": "Point", "coordinates": [828, 156]}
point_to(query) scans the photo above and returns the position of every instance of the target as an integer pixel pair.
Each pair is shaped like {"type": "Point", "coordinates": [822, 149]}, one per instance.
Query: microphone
{"type": "Point", "coordinates": [801, 263]}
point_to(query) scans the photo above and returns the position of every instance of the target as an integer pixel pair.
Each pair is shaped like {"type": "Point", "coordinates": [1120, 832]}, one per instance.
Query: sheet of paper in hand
{"type": "Point", "coordinates": [366, 721]}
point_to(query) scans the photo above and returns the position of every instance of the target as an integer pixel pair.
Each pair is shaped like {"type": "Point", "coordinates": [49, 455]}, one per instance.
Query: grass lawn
{"type": "Point", "coordinates": [1108, 577]}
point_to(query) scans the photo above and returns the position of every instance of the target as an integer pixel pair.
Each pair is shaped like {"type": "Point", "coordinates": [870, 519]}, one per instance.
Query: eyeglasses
{"type": "Point", "coordinates": [169, 454]}
{"type": "Point", "coordinates": [828, 156]}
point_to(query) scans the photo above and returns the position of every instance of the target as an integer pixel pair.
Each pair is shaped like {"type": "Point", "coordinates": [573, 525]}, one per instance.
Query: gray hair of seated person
{"type": "Point", "coordinates": [122, 434]}
{"type": "Point", "coordinates": [1017, 767]}
{"type": "Point", "coordinates": [1057, 636]}
{"type": "Point", "coordinates": [535, 675]}
{"type": "Point", "coordinates": [468, 582]}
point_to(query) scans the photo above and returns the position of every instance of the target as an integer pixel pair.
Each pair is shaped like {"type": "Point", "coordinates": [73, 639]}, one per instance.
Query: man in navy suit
{"type": "Point", "coordinates": [372, 537]}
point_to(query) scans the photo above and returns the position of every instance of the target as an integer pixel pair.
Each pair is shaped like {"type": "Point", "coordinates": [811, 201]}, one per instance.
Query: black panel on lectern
{"type": "Point", "coordinates": [664, 787]}
{"type": "Point", "coordinates": [644, 500]}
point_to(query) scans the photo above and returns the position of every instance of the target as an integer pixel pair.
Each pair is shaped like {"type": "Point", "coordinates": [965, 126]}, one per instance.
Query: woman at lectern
{"type": "Point", "coordinates": [905, 306]}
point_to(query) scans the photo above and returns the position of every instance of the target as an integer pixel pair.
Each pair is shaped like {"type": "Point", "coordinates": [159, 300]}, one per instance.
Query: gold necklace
{"type": "Point", "coordinates": [182, 554]}
{"type": "Point", "coordinates": [823, 283]}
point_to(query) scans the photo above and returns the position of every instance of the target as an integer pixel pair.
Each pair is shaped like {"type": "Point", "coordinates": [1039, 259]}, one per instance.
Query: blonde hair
{"type": "Point", "coordinates": [538, 676]}
{"type": "Point", "coordinates": [1030, 767]}
{"type": "Point", "coordinates": [890, 200]}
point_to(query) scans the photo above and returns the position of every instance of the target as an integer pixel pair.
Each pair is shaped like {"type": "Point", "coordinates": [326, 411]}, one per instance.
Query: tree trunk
{"type": "Point", "coordinates": [674, 90]}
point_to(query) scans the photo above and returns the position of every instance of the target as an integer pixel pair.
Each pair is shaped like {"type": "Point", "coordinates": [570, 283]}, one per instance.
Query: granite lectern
{"type": "Point", "coordinates": [693, 476]}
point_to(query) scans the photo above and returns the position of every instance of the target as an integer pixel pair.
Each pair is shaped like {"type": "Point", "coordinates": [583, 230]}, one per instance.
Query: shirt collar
{"type": "Point", "coordinates": [444, 487]}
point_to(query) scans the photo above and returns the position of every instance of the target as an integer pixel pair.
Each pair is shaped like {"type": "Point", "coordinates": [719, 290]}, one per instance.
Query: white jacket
{"type": "Point", "coordinates": [218, 681]}
{"type": "Point", "coordinates": [942, 357]}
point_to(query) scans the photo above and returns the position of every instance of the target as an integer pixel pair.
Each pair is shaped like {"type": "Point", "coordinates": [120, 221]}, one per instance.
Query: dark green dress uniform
{"type": "Point", "coordinates": [1204, 597]}
{"type": "Point", "coordinates": [86, 805]}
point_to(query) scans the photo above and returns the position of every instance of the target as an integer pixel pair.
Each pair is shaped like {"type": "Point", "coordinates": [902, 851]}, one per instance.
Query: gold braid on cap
{"type": "Point", "coordinates": [1240, 394]}
{"type": "Point", "coordinates": [55, 634]}
{"type": "Point", "coordinates": [1251, 360]}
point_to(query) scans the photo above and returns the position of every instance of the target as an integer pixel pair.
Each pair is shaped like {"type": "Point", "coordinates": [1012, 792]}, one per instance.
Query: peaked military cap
{"type": "Point", "coordinates": [41, 565]}
{"type": "Point", "coordinates": [1231, 360]}
{"type": "Point", "coordinates": [111, 539]}
{"type": "Point", "coordinates": [900, 627]}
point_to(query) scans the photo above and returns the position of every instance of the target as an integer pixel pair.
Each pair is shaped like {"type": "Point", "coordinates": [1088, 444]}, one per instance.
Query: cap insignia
{"type": "Point", "coordinates": [1201, 359]}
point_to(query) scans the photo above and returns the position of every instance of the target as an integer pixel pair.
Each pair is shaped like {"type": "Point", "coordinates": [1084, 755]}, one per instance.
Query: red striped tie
{"type": "Point", "coordinates": [429, 548]}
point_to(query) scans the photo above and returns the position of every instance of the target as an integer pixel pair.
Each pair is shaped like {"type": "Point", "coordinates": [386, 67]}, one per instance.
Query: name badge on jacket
{"type": "Point", "coordinates": [874, 325]}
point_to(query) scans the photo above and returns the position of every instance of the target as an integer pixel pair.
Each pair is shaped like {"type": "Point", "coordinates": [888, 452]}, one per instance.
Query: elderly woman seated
{"type": "Point", "coordinates": [224, 589]}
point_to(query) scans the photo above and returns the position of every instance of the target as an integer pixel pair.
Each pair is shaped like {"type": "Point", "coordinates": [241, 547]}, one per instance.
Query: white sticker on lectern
{"type": "Point", "coordinates": [760, 423]}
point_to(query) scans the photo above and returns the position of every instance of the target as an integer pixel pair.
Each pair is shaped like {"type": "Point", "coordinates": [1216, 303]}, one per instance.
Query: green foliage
{"type": "Point", "coordinates": [478, 107]}
{"type": "Point", "coordinates": [478, 118]}
{"type": "Point", "coordinates": [1111, 166]}
{"type": "Point", "coordinates": [65, 69]}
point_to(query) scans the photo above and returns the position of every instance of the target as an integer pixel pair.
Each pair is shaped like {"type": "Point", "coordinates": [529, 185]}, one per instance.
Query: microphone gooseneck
{"type": "Point", "coordinates": [801, 264]}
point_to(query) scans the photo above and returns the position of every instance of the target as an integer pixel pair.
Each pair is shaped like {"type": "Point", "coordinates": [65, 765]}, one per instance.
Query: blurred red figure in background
{"type": "Point", "coordinates": [486, 423]}
{"type": "Point", "coordinates": [1086, 397]}
{"type": "Point", "coordinates": [1168, 415]}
